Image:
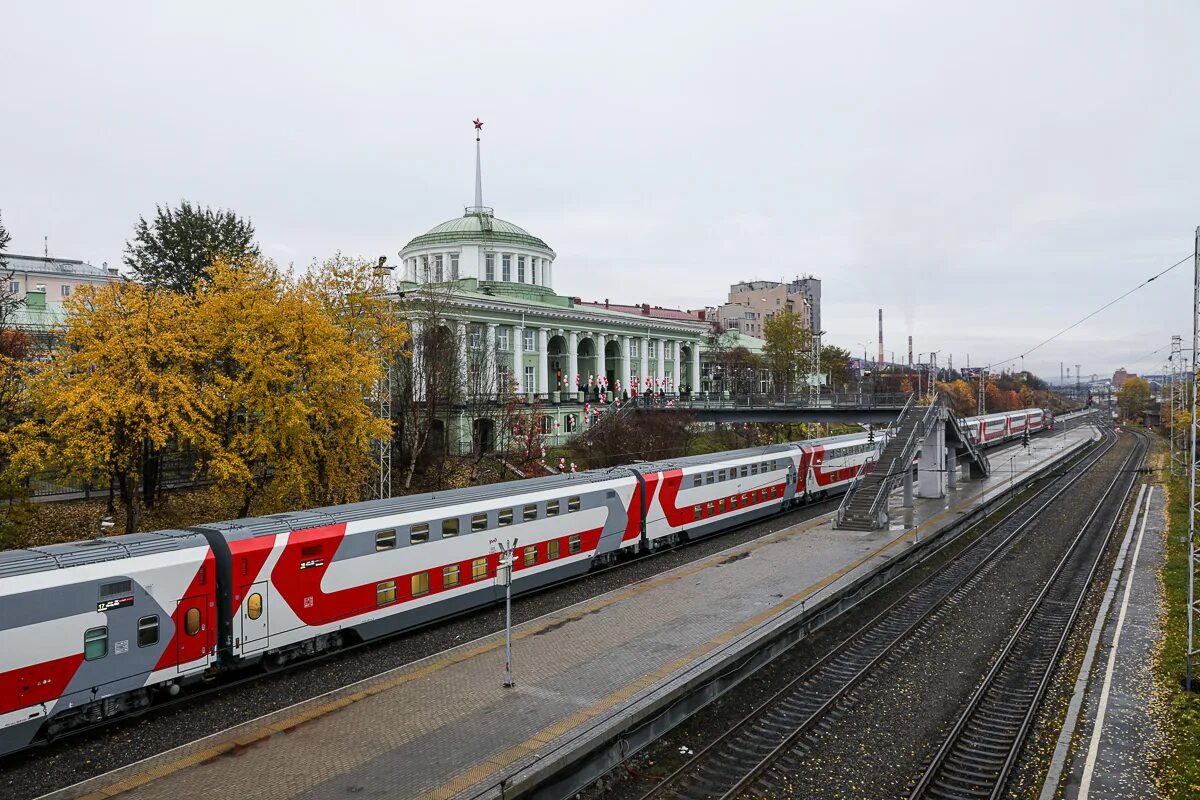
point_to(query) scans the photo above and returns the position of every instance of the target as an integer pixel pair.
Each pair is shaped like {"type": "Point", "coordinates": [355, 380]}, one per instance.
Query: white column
{"type": "Point", "coordinates": [543, 363]}
{"type": "Point", "coordinates": [416, 327]}
{"type": "Point", "coordinates": [462, 354]}
{"type": "Point", "coordinates": [601, 342]}
{"type": "Point", "coordinates": [662, 360]}
{"type": "Point", "coordinates": [572, 359]}
{"type": "Point", "coordinates": [695, 382]}
{"type": "Point", "coordinates": [491, 376]}
{"type": "Point", "coordinates": [519, 357]}
{"type": "Point", "coordinates": [644, 366]}
{"type": "Point", "coordinates": [625, 363]}
{"type": "Point", "coordinates": [676, 371]}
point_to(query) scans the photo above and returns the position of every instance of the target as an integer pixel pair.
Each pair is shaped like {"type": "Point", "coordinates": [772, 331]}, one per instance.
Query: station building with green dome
{"type": "Point", "coordinates": [495, 287]}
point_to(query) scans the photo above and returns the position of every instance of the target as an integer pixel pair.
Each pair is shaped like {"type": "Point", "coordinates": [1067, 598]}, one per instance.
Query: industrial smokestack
{"type": "Point", "coordinates": [881, 337]}
{"type": "Point", "coordinates": [910, 352]}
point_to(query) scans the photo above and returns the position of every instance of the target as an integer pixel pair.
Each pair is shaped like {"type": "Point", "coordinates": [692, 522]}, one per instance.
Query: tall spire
{"type": "Point", "coordinates": [478, 172]}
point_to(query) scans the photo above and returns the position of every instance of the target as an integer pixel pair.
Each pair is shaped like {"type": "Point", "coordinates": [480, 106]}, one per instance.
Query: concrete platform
{"type": "Point", "coordinates": [1109, 733]}
{"type": "Point", "coordinates": [592, 679]}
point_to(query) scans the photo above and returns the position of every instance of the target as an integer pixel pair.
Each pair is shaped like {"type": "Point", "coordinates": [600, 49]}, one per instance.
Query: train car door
{"type": "Point", "coordinates": [191, 634]}
{"type": "Point", "coordinates": [254, 617]}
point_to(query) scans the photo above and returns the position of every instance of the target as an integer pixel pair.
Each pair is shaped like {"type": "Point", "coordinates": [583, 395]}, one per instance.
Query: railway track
{"type": "Point", "coordinates": [755, 755]}
{"type": "Point", "coordinates": [978, 755]}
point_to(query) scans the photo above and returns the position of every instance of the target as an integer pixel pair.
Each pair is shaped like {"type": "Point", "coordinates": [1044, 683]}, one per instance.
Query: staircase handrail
{"type": "Point", "coordinates": [892, 476]}
{"type": "Point", "coordinates": [850, 492]}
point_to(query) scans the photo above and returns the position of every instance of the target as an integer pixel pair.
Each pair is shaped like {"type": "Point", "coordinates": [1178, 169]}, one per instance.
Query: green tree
{"type": "Point", "coordinates": [5, 238]}
{"type": "Point", "coordinates": [835, 362]}
{"type": "Point", "coordinates": [788, 351]}
{"type": "Point", "coordinates": [1134, 398]}
{"type": "Point", "coordinates": [178, 248]}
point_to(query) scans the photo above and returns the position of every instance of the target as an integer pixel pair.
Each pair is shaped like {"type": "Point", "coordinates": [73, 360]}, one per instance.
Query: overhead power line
{"type": "Point", "coordinates": [1109, 304]}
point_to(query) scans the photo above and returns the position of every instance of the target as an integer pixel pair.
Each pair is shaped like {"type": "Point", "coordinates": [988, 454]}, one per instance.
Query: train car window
{"type": "Point", "coordinates": [721, 506]}
{"type": "Point", "coordinates": [191, 622]}
{"type": "Point", "coordinates": [551, 508]}
{"type": "Point", "coordinates": [697, 512]}
{"type": "Point", "coordinates": [530, 513]}
{"type": "Point", "coordinates": [697, 480]}
{"type": "Point", "coordinates": [419, 533]}
{"type": "Point", "coordinates": [754, 469]}
{"type": "Point", "coordinates": [745, 499]}
{"type": "Point", "coordinates": [450, 576]}
{"type": "Point", "coordinates": [711, 507]}
{"type": "Point", "coordinates": [708, 478]}
{"type": "Point", "coordinates": [574, 544]}
{"type": "Point", "coordinates": [744, 470]}
{"type": "Point", "coordinates": [733, 502]}
{"type": "Point", "coordinates": [529, 557]}
{"type": "Point", "coordinates": [552, 548]}
{"type": "Point", "coordinates": [148, 630]}
{"type": "Point", "coordinates": [420, 584]}
{"type": "Point", "coordinates": [450, 527]}
{"type": "Point", "coordinates": [254, 606]}
{"type": "Point", "coordinates": [478, 523]}
{"type": "Point", "coordinates": [95, 643]}
{"type": "Point", "coordinates": [573, 504]}
{"type": "Point", "coordinates": [479, 569]}
{"type": "Point", "coordinates": [505, 517]}
{"type": "Point", "coordinates": [385, 593]}
{"type": "Point", "coordinates": [384, 540]}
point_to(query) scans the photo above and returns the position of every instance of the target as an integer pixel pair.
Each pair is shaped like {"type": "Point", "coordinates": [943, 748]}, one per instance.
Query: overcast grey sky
{"type": "Point", "coordinates": [985, 174]}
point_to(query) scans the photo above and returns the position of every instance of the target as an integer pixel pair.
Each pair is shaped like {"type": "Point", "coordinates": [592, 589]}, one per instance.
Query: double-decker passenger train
{"type": "Point", "coordinates": [95, 629]}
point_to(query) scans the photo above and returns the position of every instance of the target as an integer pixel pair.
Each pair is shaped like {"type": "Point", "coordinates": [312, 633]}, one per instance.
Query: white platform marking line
{"type": "Point", "coordinates": [1089, 766]}
{"type": "Point", "coordinates": [1058, 760]}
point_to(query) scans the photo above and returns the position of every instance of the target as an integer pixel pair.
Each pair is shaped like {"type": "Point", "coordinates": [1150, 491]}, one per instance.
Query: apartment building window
{"type": "Point", "coordinates": [633, 348]}
{"type": "Point", "coordinates": [489, 267]}
{"type": "Point", "coordinates": [520, 269]}
{"type": "Point", "coordinates": [503, 337]}
{"type": "Point", "coordinates": [529, 379]}
{"type": "Point", "coordinates": [14, 287]}
{"type": "Point", "coordinates": [506, 267]}
{"type": "Point", "coordinates": [66, 290]}
{"type": "Point", "coordinates": [502, 379]}
{"type": "Point", "coordinates": [651, 349]}
{"type": "Point", "coordinates": [476, 337]}
{"type": "Point", "coordinates": [529, 340]}
{"type": "Point", "coordinates": [454, 266]}
{"type": "Point", "coordinates": [437, 268]}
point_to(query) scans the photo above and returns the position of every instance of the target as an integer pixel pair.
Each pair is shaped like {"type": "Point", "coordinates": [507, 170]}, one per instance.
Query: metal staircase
{"type": "Point", "coordinates": [980, 466]}
{"type": "Point", "coordinates": [864, 508]}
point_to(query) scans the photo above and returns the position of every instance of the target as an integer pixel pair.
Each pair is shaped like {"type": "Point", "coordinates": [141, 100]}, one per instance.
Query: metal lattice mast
{"type": "Point", "coordinates": [382, 485]}
{"type": "Point", "coordinates": [1179, 407]}
{"type": "Point", "coordinates": [814, 384]}
{"type": "Point", "coordinates": [982, 391]}
{"type": "Point", "coordinates": [1191, 540]}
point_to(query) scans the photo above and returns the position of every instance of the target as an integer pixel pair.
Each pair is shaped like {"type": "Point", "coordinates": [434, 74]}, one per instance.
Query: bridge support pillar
{"type": "Point", "coordinates": [931, 471]}
{"type": "Point", "coordinates": [951, 468]}
{"type": "Point", "coordinates": [908, 488]}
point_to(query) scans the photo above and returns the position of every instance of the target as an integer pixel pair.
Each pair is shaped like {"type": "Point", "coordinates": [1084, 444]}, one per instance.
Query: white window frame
{"type": "Point", "coordinates": [506, 267]}
{"type": "Point", "coordinates": [489, 266]}
{"type": "Point", "coordinates": [504, 340]}
{"type": "Point", "coordinates": [454, 266]}
{"type": "Point", "coordinates": [520, 269]}
{"type": "Point", "coordinates": [528, 343]}
{"type": "Point", "coordinates": [530, 378]}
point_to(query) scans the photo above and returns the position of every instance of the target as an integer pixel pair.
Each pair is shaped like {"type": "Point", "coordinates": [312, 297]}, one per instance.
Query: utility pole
{"type": "Point", "coordinates": [1178, 407]}
{"type": "Point", "coordinates": [1192, 511]}
{"type": "Point", "coordinates": [504, 578]}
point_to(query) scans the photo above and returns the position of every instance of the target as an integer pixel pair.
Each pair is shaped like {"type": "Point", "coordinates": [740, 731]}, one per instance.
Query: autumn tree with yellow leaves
{"type": "Point", "coordinates": [268, 379]}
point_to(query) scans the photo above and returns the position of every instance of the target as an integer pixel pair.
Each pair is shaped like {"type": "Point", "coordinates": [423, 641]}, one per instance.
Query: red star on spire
{"type": "Point", "coordinates": [478, 124]}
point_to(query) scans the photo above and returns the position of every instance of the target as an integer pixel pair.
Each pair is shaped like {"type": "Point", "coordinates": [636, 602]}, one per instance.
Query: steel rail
{"type": "Point", "coordinates": [807, 698]}
{"type": "Point", "coordinates": [978, 754]}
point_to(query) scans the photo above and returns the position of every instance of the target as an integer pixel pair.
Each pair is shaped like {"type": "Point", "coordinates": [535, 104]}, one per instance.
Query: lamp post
{"type": "Point", "coordinates": [507, 550]}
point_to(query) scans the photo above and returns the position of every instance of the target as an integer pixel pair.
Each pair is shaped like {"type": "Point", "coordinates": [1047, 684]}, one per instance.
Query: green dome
{"type": "Point", "coordinates": [470, 228]}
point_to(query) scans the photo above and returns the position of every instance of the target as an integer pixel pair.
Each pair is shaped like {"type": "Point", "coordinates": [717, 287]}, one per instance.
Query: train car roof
{"type": "Point", "coordinates": [329, 515]}
{"type": "Point", "coordinates": [711, 458]}
{"type": "Point", "coordinates": [92, 551]}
